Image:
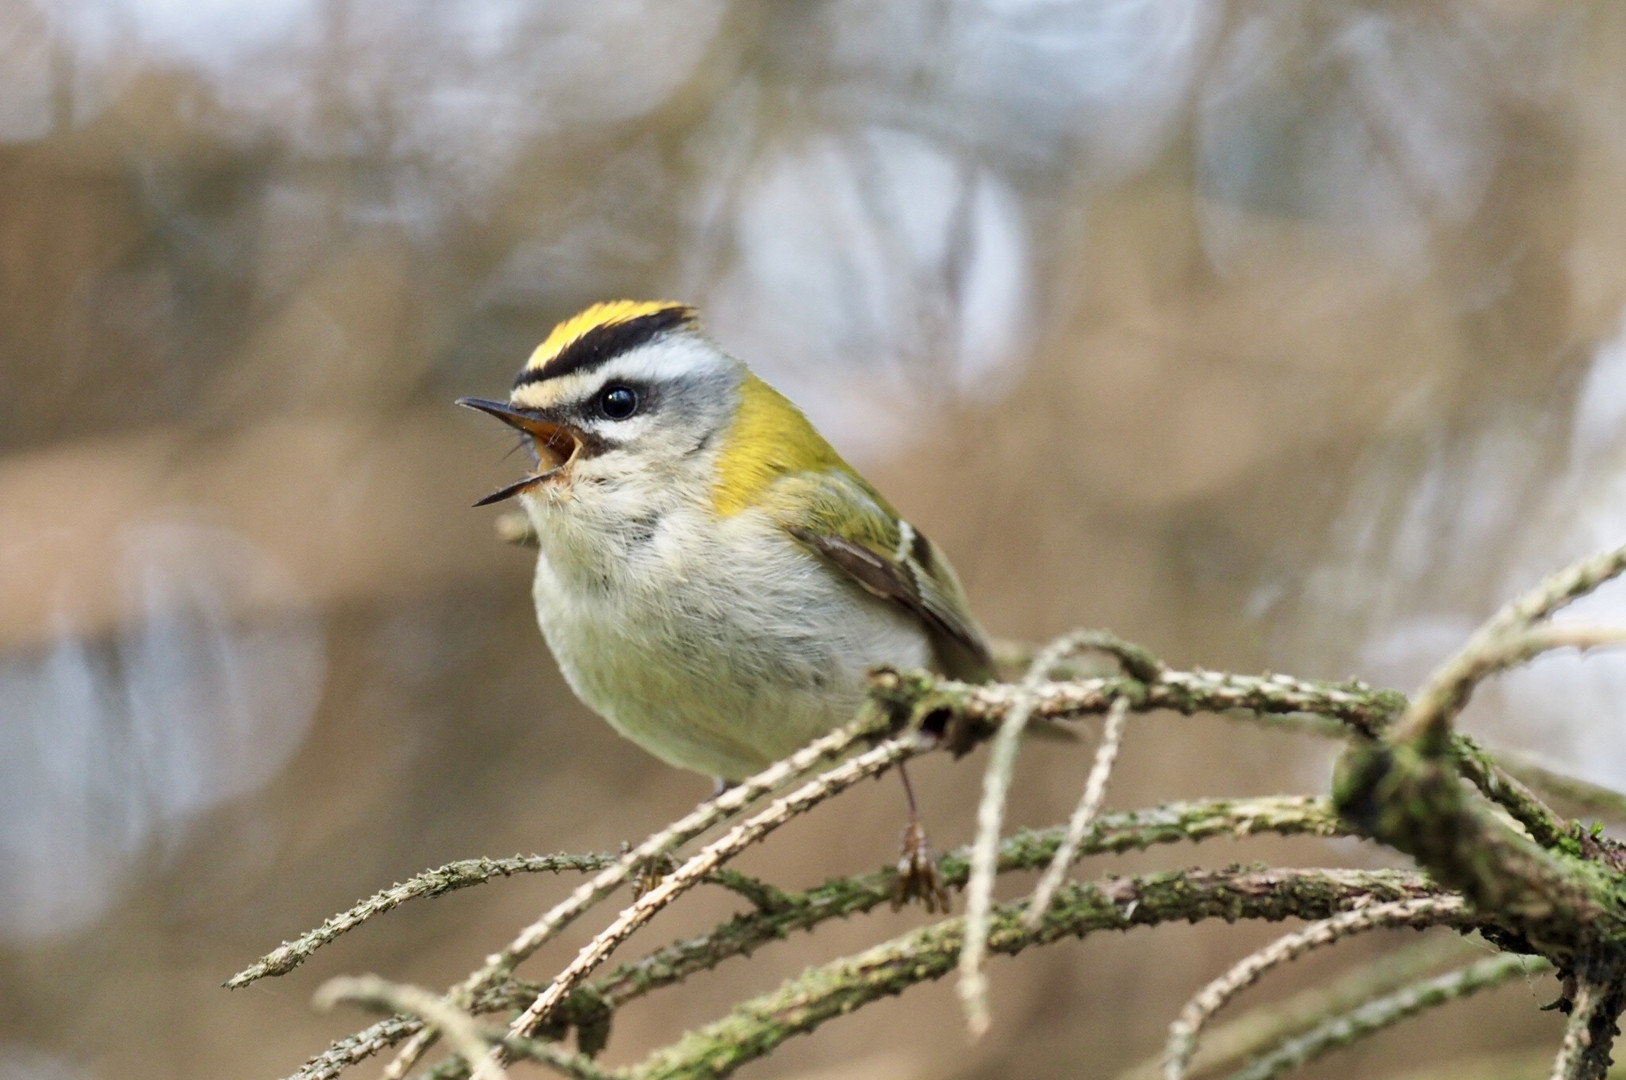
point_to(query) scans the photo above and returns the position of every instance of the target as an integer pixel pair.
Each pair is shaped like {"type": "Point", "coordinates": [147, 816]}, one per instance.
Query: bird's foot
{"type": "Point", "coordinates": [918, 875]}
{"type": "Point", "coordinates": [648, 873]}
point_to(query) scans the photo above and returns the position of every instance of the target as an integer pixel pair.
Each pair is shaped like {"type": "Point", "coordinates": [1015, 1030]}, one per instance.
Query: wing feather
{"type": "Point", "coordinates": [841, 518]}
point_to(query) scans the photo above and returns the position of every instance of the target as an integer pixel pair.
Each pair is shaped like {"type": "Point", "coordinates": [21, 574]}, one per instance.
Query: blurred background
{"type": "Point", "coordinates": [1270, 335]}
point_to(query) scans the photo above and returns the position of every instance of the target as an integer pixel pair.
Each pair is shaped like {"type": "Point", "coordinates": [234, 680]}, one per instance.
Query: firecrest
{"type": "Point", "coordinates": [713, 578]}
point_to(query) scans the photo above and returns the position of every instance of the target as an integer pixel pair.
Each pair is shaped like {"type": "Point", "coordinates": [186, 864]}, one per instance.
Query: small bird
{"type": "Point", "coordinates": [713, 579]}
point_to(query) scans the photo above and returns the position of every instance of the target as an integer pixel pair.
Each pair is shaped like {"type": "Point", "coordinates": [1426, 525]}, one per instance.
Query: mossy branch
{"type": "Point", "coordinates": [1416, 802]}
{"type": "Point", "coordinates": [589, 1008]}
{"type": "Point", "coordinates": [1494, 855]}
{"type": "Point", "coordinates": [1594, 1007]}
{"type": "Point", "coordinates": [1234, 1043]}
{"type": "Point", "coordinates": [1345, 1028]}
{"type": "Point", "coordinates": [1416, 912]}
{"type": "Point", "coordinates": [801, 1004]}
{"type": "Point", "coordinates": [443, 879]}
{"type": "Point", "coordinates": [1558, 889]}
{"type": "Point", "coordinates": [756, 1027]}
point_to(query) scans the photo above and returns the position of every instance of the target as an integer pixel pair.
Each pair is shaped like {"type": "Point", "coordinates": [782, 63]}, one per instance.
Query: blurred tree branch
{"type": "Point", "coordinates": [1493, 857]}
{"type": "Point", "coordinates": [1343, 1028]}
{"type": "Point", "coordinates": [1267, 1029]}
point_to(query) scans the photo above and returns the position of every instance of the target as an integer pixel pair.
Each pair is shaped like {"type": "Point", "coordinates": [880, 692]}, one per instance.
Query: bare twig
{"type": "Point", "coordinates": [455, 875]}
{"type": "Point", "coordinates": [1590, 1033]}
{"type": "Point", "coordinates": [1095, 791]}
{"type": "Point", "coordinates": [1502, 641]}
{"type": "Point", "coordinates": [801, 1004]}
{"type": "Point", "coordinates": [460, 875]}
{"type": "Point", "coordinates": [1560, 589]}
{"type": "Point", "coordinates": [1125, 656]}
{"type": "Point", "coordinates": [1183, 1033]}
{"type": "Point", "coordinates": [1489, 651]}
{"type": "Point", "coordinates": [1234, 1042]}
{"type": "Point", "coordinates": [724, 805]}
{"type": "Point", "coordinates": [996, 783]}
{"type": "Point", "coordinates": [692, 872]}
{"type": "Point", "coordinates": [1569, 1065]}
{"type": "Point", "coordinates": [459, 1027]}
{"type": "Point", "coordinates": [1578, 794]}
{"type": "Point", "coordinates": [1381, 1012]}
{"type": "Point", "coordinates": [1179, 822]}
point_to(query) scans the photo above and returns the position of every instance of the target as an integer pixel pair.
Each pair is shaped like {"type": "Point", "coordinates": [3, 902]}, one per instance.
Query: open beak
{"type": "Point", "coordinates": [556, 446]}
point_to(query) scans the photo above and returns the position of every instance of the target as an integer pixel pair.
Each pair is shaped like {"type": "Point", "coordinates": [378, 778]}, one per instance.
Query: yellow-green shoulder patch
{"type": "Point", "coordinates": [769, 439]}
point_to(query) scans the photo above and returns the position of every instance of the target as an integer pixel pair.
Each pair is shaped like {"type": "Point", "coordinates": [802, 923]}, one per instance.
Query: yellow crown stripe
{"type": "Point", "coordinates": [608, 313]}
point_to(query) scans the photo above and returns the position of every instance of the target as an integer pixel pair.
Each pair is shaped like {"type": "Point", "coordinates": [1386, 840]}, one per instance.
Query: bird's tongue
{"type": "Point", "coordinates": [554, 449]}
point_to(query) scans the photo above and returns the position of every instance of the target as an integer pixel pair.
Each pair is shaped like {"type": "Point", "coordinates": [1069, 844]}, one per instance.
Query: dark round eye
{"type": "Point", "coordinates": [618, 402]}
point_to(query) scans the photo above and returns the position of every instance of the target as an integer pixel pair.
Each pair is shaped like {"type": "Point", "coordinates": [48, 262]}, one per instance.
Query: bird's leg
{"type": "Point", "coordinates": [918, 876]}
{"type": "Point", "coordinates": [649, 872]}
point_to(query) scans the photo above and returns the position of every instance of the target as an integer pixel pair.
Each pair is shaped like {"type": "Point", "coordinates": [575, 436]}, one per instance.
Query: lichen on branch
{"type": "Point", "coordinates": [1493, 855]}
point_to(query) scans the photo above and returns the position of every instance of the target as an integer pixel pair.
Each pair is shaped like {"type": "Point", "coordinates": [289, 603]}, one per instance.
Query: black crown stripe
{"type": "Point", "coordinates": [605, 342]}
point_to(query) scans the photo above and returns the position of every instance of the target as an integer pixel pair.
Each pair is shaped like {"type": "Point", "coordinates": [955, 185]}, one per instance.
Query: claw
{"type": "Point", "coordinates": [918, 876]}
{"type": "Point", "coordinates": [648, 873]}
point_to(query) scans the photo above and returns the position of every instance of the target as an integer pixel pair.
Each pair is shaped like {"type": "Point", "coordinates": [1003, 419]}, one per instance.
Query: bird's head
{"type": "Point", "coordinates": [625, 389]}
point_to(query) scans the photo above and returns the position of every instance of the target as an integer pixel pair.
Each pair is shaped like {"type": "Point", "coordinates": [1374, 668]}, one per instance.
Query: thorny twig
{"type": "Point", "coordinates": [996, 783]}
{"type": "Point", "coordinates": [708, 813]}
{"type": "Point", "coordinates": [1284, 815]}
{"type": "Point", "coordinates": [1555, 890]}
{"type": "Point", "coordinates": [1590, 1032]}
{"type": "Point", "coordinates": [1235, 1042]}
{"type": "Point", "coordinates": [458, 1026]}
{"type": "Point", "coordinates": [1344, 1028]}
{"type": "Point", "coordinates": [1183, 1033]}
{"type": "Point", "coordinates": [1095, 791]}
{"type": "Point", "coordinates": [692, 872]}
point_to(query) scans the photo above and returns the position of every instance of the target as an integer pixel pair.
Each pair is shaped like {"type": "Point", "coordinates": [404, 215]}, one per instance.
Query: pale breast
{"type": "Point", "coordinates": [719, 645]}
